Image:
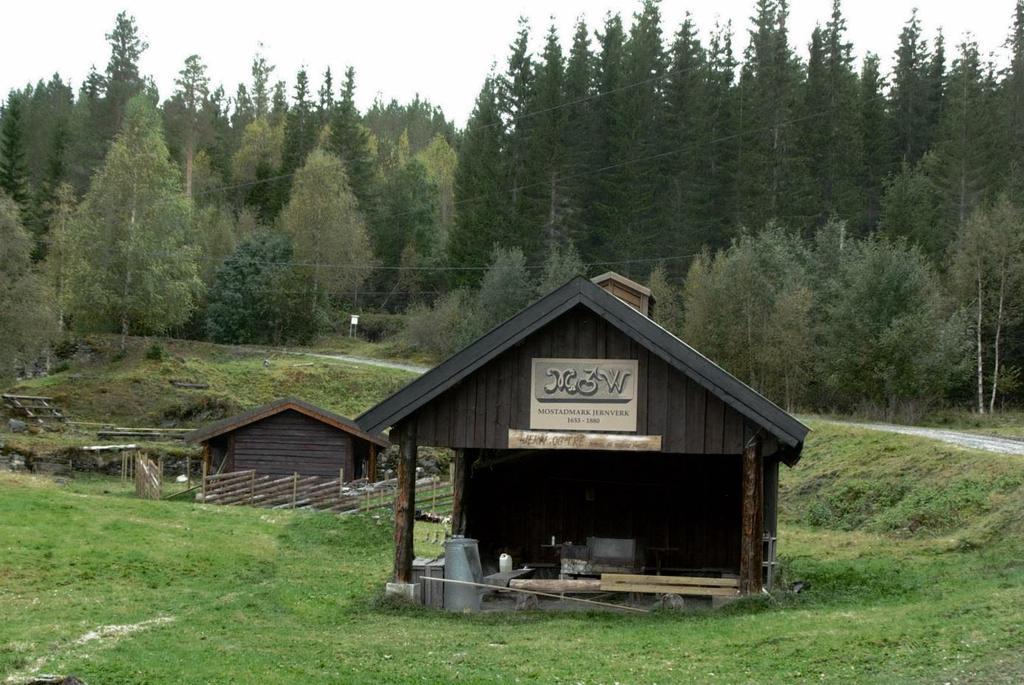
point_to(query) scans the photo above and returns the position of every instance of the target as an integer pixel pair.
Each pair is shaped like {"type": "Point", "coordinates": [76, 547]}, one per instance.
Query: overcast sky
{"type": "Point", "coordinates": [441, 50]}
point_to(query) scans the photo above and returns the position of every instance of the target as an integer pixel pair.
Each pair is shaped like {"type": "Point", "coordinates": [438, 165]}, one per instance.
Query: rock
{"type": "Point", "coordinates": [671, 601]}
{"type": "Point", "coordinates": [55, 680]}
{"type": "Point", "coordinates": [16, 426]}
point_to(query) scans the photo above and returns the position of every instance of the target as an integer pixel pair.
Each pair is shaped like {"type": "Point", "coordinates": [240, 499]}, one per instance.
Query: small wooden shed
{"type": "Point", "coordinates": [580, 422]}
{"type": "Point", "coordinates": [290, 436]}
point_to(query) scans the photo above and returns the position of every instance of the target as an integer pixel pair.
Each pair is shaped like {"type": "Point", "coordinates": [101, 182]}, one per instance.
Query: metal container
{"type": "Point", "coordinates": [430, 594]}
{"type": "Point", "coordinates": [505, 564]}
{"type": "Point", "coordinates": [462, 562]}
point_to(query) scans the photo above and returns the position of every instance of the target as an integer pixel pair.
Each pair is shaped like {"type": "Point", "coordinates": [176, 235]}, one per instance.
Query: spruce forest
{"type": "Point", "coordinates": [840, 236]}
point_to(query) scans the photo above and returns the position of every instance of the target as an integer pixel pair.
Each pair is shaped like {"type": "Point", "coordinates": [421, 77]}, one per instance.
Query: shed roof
{"type": "Point", "coordinates": [284, 404]}
{"type": "Point", "coordinates": [619, 278]}
{"type": "Point", "coordinates": [581, 292]}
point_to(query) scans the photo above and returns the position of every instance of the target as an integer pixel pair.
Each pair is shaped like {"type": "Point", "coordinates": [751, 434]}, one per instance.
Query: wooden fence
{"type": "Point", "coordinates": [314, 492]}
{"type": "Point", "coordinates": [148, 478]}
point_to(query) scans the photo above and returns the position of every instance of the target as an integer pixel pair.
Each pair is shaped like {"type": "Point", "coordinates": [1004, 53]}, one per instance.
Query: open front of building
{"type": "Point", "coordinates": [588, 440]}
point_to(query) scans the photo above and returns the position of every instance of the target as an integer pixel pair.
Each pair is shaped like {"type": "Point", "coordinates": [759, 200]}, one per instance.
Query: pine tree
{"type": "Point", "coordinates": [46, 200]}
{"type": "Point", "coordinates": [964, 152]}
{"type": "Point", "coordinates": [579, 126]}
{"type": "Point", "coordinates": [687, 122]}
{"type": "Point", "coordinates": [875, 141]}
{"type": "Point", "coordinates": [911, 97]}
{"type": "Point", "coordinates": [193, 89]}
{"type": "Point", "coordinates": [134, 260]}
{"type": "Point", "coordinates": [123, 81]}
{"type": "Point", "coordinates": [771, 179]}
{"type": "Point", "coordinates": [482, 214]}
{"type": "Point", "coordinates": [350, 141]}
{"type": "Point", "coordinates": [548, 204]}
{"type": "Point", "coordinates": [516, 90]}
{"type": "Point", "coordinates": [279, 104]}
{"type": "Point", "coordinates": [407, 219]}
{"type": "Point", "coordinates": [325, 102]}
{"type": "Point", "coordinates": [603, 196]}
{"type": "Point", "coordinates": [300, 129]}
{"type": "Point", "coordinates": [831, 144]}
{"type": "Point", "coordinates": [13, 171]}
{"type": "Point", "coordinates": [722, 144]}
{"type": "Point", "coordinates": [1012, 105]}
{"type": "Point", "coordinates": [261, 72]}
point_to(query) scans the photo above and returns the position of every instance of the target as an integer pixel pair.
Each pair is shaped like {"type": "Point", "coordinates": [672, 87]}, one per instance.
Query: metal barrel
{"type": "Point", "coordinates": [462, 562]}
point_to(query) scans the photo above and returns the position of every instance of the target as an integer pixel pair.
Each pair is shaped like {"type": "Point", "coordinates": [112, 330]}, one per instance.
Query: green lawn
{"type": "Point", "coordinates": [206, 594]}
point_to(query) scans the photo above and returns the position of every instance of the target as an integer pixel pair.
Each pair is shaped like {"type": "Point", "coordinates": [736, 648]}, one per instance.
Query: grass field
{"type": "Point", "coordinates": [903, 589]}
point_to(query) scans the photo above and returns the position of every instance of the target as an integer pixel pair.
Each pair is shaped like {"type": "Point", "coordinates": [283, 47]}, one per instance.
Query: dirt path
{"type": "Point", "coordinates": [987, 443]}
{"type": "Point", "coordinates": [368, 361]}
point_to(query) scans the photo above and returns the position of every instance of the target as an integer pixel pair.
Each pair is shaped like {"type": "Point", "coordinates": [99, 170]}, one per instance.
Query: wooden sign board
{"type": "Point", "coordinates": [557, 440]}
{"type": "Point", "coordinates": [584, 394]}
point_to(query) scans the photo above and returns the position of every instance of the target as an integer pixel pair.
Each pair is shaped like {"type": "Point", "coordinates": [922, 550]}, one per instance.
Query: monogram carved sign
{"type": "Point", "coordinates": [584, 394]}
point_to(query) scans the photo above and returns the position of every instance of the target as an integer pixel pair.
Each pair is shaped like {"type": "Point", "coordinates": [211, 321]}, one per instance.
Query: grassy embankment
{"type": "Point", "coordinates": [912, 550]}
{"type": "Point", "coordinates": [133, 390]}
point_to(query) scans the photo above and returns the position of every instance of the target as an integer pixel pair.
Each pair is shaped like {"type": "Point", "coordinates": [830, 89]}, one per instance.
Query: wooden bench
{"type": "Point", "coordinates": [678, 585]}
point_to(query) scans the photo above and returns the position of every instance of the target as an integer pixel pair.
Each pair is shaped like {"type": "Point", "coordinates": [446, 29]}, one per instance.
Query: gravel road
{"type": "Point", "coordinates": [979, 442]}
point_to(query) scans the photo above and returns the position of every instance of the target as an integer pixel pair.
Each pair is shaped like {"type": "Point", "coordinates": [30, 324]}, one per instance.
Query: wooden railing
{"type": "Point", "coordinates": [315, 492]}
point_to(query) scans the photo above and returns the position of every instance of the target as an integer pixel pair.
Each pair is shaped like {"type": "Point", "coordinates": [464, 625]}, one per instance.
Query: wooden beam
{"type": "Point", "coordinates": [371, 468]}
{"type": "Point", "coordinates": [460, 476]}
{"type": "Point", "coordinates": [655, 589]}
{"type": "Point", "coordinates": [668, 580]}
{"type": "Point", "coordinates": [555, 585]}
{"type": "Point", "coordinates": [752, 518]}
{"type": "Point", "coordinates": [562, 440]}
{"type": "Point", "coordinates": [405, 502]}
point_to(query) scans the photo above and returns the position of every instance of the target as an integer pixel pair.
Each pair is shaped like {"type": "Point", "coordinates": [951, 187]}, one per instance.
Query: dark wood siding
{"type": "Point", "coordinates": [291, 442]}
{"type": "Point", "coordinates": [478, 412]}
{"type": "Point", "coordinates": [687, 506]}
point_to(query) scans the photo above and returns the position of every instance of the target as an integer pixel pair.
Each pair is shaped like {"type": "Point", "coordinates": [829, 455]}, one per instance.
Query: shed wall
{"type": "Point", "coordinates": [291, 442]}
{"type": "Point", "coordinates": [478, 412]}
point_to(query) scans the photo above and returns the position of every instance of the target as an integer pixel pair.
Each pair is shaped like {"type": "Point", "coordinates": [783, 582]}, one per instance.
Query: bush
{"type": "Point", "coordinates": [444, 328]}
{"type": "Point", "coordinates": [378, 327]}
{"type": "Point", "coordinates": [155, 352]}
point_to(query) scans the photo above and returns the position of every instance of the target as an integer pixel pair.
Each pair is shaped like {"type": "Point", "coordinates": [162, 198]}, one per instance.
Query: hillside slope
{"type": "Point", "coordinates": [135, 390]}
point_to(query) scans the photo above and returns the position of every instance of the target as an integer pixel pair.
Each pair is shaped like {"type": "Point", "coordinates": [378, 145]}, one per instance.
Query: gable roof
{"type": "Point", "coordinates": [581, 292]}
{"type": "Point", "coordinates": [285, 404]}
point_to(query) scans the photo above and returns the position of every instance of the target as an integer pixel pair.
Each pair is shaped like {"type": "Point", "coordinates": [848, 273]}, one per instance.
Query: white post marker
{"type": "Point", "coordinates": [353, 323]}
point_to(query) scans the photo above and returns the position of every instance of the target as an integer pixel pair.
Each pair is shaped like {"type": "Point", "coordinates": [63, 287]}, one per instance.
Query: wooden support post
{"type": "Point", "coordinates": [341, 481]}
{"type": "Point", "coordinates": [405, 502]}
{"type": "Point", "coordinates": [371, 470]}
{"type": "Point", "coordinates": [252, 487]}
{"type": "Point", "coordinates": [295, 488]}
{"type": "Point", "coordinates": [433, 498]}
{"type": "Point", "coordinates": [205, 470]}
{"type": "Point", "coordinates": [752, 521]}
{"type": "Point", "coordinates": [188, 470]}
{"type": "Point", "coordinates": [460, 470]}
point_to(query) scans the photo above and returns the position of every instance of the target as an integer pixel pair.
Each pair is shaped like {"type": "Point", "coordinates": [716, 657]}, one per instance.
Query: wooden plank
{"type": "Point", "coordinates": [657, 395]}
{"type": "Point", "coordinates": [670, 589]}
{"type": "Point", "coordinates": [556, 585]}
{"type": "Point", "coordinates": [555, 440]}
{"type": "Point", "coordinates": [675, 425]}
{"type": "Point", "coordinates": [695, 398]}
{"type": "Point", "coordinates": [539, 594]}
{"type": "Point", "coordinates": [669, 580]}
{"type": "Point", "coordinates": [714, 420]}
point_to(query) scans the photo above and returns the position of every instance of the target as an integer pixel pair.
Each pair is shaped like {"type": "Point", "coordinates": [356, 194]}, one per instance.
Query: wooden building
{"type": "Point", "coordinates": [290, 436]}
{"type": "Point", "coordinates": [582, 419]}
